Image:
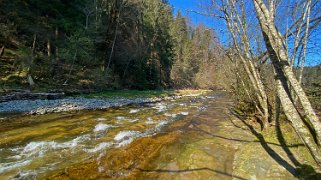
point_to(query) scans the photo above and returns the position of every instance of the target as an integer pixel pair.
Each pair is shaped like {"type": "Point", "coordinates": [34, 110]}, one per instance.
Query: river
{"type": "Point", "coordinates": [42, 146]}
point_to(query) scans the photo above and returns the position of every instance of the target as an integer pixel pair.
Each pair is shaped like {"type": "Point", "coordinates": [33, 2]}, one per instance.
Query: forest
{"type": "Point", "coordinates": [99, 45]}
{"type": "Point", "coordinates": [263, 55]}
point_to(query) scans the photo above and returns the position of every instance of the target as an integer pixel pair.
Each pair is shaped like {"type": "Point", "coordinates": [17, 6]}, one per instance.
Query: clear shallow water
{"type": "Point", "coordinates": [33, 146]}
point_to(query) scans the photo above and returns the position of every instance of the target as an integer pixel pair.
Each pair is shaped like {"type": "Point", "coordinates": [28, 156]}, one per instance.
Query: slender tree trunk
{"type": "Point", "coordinates": [57, 49]}
{"type": "Point", "coordinates": [29, 76]}
{"type": "Point", "coordinates": [305, 41]}
{"type": "Point", "coordinates": [49, 48]}
{"type": "Point", "coordinates": [2, 51]}
{"type": "Point", "coordinates": [72, 67]}
{"type": "Point", "coordinates": [249, 67]}
{"type": "Point", "coordinates": [115, 37]}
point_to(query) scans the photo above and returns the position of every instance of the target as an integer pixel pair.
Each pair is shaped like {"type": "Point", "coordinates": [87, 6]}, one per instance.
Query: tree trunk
{"type": "Point", "coordinates": [248, 65]}
{"type": "Point", "coordinates": [49, 48]}
{"type": "Point", "coordinates": [2, 51]}
{"type": "Point", "coordinates": [57, 49]}
{"type": "Point", "coordinates": [279, 58]}
{"type": "Point", "coordinates": [115, 38]}
{"type": "Point", "coordinates": [293, 116]}
{"type": "Point", "coordinates": [71, 68]}
{"type": "Point", "coordinates": [29, 77]}
{"type": "Point", "coordinates": [305, 41]}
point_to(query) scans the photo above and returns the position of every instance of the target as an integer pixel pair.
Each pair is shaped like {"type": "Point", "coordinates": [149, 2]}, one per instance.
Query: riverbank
{"type": "Point", "coordinates": [93, 101]}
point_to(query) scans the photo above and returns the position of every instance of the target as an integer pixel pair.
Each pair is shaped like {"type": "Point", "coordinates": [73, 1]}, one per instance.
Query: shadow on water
{"type": "Point", "coordinates": [190, 170]}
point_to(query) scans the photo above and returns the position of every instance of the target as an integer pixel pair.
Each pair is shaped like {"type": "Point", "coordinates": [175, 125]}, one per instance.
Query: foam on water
{"type": "Point", "coordinates": [132, 111]}
{"type": "Point", "coordinates": [160, 125]}
{"type": "Point", "coordinates": [160, 107]}
{"type": "Point", "coordinates": [120, 118]}
{"type": "Point", "coordinates": [184, 113]}
{"type": "Point", "coordinates": [34, 150]}
{"type": "Point", "coordinates": [101, 119]}
{"type": "Point", "coordinates": [100, 147]}
{"type": "Point", "coordinates": [40, 148]}
{"type": "Point", "coordinates": [150, 121]}
{"type": "Point", "coordinates": [13, 165]}
{"type": "Point", "coordinates": [133, 120]}
{"type": "Point", "coordinates": [102, 127]}
{"type": "Point", "coordinates": [126, 135]}
{"type": "Point", "coordinates": [125, 142]}
{"type": "Point", "coordinates": [26, 175]}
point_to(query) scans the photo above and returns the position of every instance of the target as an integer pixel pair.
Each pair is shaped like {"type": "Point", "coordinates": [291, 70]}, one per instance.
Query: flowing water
{"type": "Point", "coordinates": [37, 146]}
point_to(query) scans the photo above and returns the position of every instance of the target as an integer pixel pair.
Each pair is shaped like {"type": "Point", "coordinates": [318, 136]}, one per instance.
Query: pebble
{"type": "Point", "coordinates": [71, 104]}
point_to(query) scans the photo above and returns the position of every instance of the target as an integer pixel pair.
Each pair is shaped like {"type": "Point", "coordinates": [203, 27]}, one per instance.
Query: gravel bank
{"type": "Point", "coordinates": [71, 104]}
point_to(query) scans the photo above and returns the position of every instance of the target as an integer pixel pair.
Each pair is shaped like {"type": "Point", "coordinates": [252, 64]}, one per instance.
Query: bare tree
{"type": "Point", "coordinates": [234, 15]}
{"type": "Point", "coordinates": [286, 80]}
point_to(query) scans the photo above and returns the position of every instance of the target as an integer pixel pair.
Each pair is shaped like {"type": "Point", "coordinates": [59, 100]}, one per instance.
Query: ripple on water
{"type": "Point", "coordinates": [126, 137]}
{"type": "Point", "coordinates": [170, 115]}
{"type": "Point", "coordinates": [160, 125]}
{"type": "Point", "coordinates": [34, 150]}
{"type": "Point", "coordinates": [160, 107]}
{"type": "Point", "coordinates": [150, 121]}
{"type": "Point", "coordinates": [13, 165]}
{"type": "Point", "coordinates": [132, 111]}
{"type": "Point", "coordinates": [133, 120]}
{"type": "Point", "coordinates": [101, 119]}
{"type": "Point", "coordinates": [26, 175]}
{"type": "Point", "coordinates": [100, 147]}
{"type": "Point", "coordinates": [184, 113]}
{"type": "Point", "coordinates": [38, 149]}
{"type": "Point", "coordinates": [120, 118]}
{"type": "Point", "coordinates": [102, 127]}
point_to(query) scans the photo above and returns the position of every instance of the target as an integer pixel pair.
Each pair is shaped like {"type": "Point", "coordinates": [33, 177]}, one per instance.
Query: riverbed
{"type": "Point", "coordinates": [36, 146]}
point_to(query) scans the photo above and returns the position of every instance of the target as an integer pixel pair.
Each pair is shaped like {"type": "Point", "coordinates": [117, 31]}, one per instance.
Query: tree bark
{"type": "Point", "coordinates": [279, 58]}
{"type": "Point", "coordinates": [293, 116]}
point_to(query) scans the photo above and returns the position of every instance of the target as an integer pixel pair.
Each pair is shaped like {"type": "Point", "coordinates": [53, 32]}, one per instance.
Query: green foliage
{"type": "Point", "coordinates": [112, 44]}
{"type": "Point", "coordinates": [78, 46]}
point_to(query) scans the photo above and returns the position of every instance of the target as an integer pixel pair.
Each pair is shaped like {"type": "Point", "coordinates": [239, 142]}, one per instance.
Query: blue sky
{"type": "Point", "coordinates": [185, 7]}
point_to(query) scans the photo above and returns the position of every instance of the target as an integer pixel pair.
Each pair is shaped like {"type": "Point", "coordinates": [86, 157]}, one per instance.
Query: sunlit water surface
{"type": "Point", "coordinates": [33, 146]}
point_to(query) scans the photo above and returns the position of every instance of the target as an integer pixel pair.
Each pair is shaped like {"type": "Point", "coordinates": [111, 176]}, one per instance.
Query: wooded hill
{"type": "Point", "coordinates": [103, 44]}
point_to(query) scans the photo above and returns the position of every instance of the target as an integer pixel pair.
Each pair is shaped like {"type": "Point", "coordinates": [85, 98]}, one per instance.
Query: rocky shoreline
{"type": "Point", "coordinates": [44, 106]}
